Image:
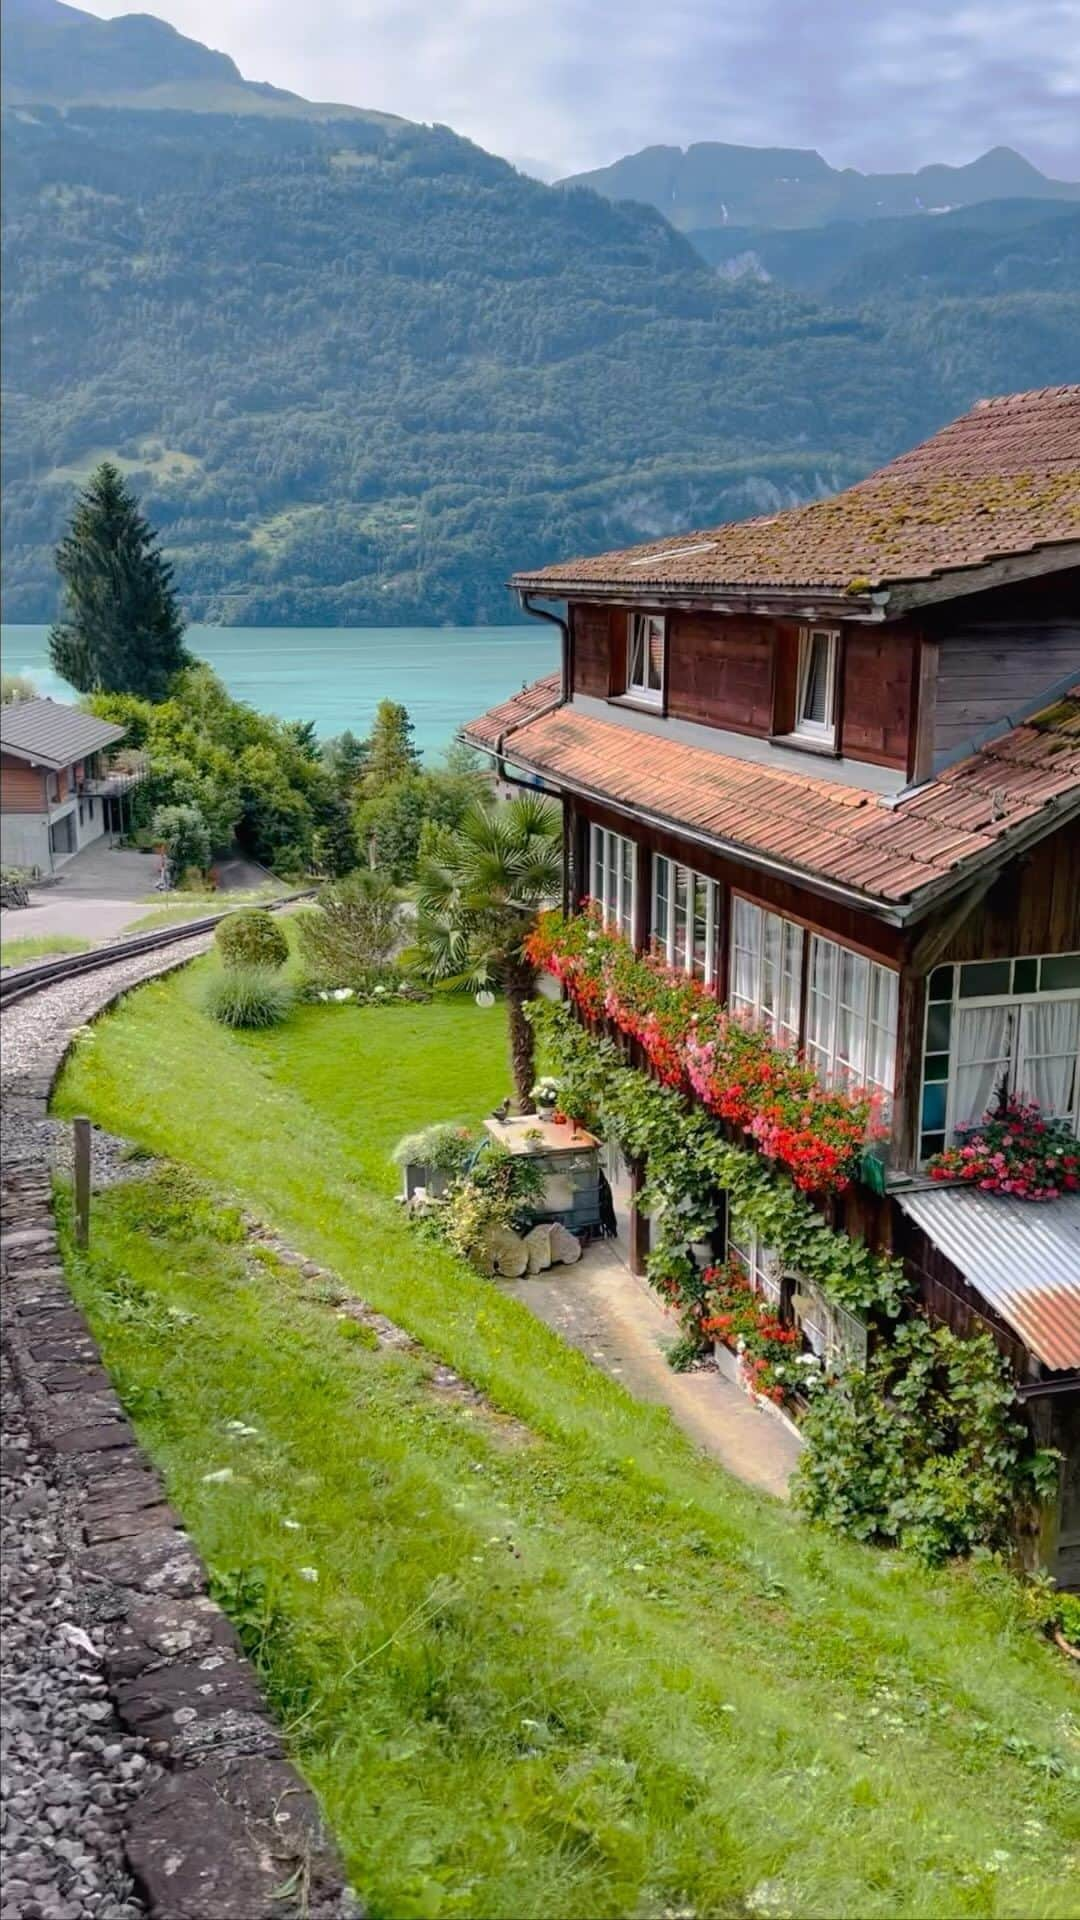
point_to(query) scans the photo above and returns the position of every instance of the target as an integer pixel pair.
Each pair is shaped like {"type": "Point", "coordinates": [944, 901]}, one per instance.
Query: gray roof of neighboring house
{"type": "Point", "coordinates": [48, 734]}
{"type": "Point", "coordinates": [1023, 1256]}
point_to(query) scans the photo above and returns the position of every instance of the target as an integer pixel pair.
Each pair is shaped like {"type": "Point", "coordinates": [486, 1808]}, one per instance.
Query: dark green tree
{"type": "Point", "coordinates": [122, 631]}
{"type": "Point", "coordinates": [391, 753]}
{"type": "Point", "coordinates": [333, 847]}
{"type": "Point", "coordinates": [345, 758]}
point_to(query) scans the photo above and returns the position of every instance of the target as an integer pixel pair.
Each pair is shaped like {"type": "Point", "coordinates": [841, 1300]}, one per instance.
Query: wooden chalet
{"type": "Point", "coordinates": [828, 760]}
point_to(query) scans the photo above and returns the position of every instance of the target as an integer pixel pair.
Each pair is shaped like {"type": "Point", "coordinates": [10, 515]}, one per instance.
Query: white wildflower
{"type": "Point", "coordinates": [308, 1573]}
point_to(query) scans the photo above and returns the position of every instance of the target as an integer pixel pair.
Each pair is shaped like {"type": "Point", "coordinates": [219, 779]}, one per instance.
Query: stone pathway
{"type": "Point", "coordinates": [600, 1307]}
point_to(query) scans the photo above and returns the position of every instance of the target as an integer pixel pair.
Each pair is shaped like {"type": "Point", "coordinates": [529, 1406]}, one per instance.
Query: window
{"type": "Point", "coordinates": [815, 705]}
{"type": "Point", "coordinates": [766, 969]}
{"type": "Point", "coordinates": [645, 658]}
{"type": "Point", "coordinates": [759, 1263]}
{"type": "Point", "coordinates": [851, 1007]}
{"type": "Point", "coordinates": [996, 1026]}
{"type": "Point", "coordinates": [685, 918]}
{"type": "Point", "coordinates": [611, 878]}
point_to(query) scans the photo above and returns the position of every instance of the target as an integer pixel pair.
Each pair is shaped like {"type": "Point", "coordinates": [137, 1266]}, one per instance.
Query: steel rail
{"type": "Point", "coordinates": [18, 983]}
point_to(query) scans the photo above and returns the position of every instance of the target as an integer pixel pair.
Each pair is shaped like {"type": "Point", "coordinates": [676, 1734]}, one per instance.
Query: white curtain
{"type": "Point", "coordinates": [1047, 1067]}
{"type": "Point", "coordinates": [981, 1054]}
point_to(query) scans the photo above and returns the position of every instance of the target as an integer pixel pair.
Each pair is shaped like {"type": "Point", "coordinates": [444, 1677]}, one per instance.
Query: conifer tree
{"type": "Point", "coordinates": [391, 753]}
{"type": "Point", "coordinates": [121, 630]}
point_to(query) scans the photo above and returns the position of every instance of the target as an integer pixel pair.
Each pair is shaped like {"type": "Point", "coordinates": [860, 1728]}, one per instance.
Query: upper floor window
{"type": "Point", "coordinates": [766, 969]}
{"type": "Point", "coordinates": [645, 658]}
{"type": "Point", "coordinates": [611, 878]}
{"type": "Point", "coordinates": [1000, 1027]}
{"type": "Point", "coordinates": [815, 704]}
{"type": "Point", "coordinates": [851, 1008]}
{"type": "Point", "coordinates": [685, 918]}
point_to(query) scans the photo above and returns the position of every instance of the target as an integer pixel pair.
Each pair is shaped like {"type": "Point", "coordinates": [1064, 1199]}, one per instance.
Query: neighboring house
{"type": "Point", "coordinates": [57, 792]}
{"type": "Point", "coordinates": [829, 761]}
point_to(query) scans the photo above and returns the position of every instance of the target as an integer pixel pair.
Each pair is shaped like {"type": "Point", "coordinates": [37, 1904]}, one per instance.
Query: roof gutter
{"type": "Point", "coordinates": [806, 603]}
{"type": "Point", "coordinates": [832, 890]}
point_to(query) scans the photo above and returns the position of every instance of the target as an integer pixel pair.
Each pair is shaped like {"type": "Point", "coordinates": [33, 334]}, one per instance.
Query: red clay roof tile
{"type": "Point", "coordinates": [824, 829]}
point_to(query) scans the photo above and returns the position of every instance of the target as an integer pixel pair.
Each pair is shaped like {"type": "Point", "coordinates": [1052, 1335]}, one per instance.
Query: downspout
{"type": "Point", "coordinates": [529, 786]}
{"type": "Point", "coordinates": [541, 613]}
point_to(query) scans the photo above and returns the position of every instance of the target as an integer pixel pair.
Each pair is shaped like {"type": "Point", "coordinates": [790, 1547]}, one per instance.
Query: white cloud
{"type": "Point", "coordinates": [870, 83]}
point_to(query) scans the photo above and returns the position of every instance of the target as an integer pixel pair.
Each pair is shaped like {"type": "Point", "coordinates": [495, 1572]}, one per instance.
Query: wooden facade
{"type": "Point", "coordinates": [23, 787]}
{"type": "Point", "coordinates": [910, 694]}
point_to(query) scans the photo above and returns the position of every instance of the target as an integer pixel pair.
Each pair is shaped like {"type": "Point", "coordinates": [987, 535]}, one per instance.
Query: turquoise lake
{"type": "Point", "coordinates": [336, 676]}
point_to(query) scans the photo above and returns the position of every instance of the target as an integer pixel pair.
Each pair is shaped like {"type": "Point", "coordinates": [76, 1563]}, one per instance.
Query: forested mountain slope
{"type": "Point", "coordinates": [361, 371]}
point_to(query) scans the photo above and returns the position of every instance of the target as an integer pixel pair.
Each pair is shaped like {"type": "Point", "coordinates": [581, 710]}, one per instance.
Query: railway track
{"type": "Point", "coordinates": [18, 983]}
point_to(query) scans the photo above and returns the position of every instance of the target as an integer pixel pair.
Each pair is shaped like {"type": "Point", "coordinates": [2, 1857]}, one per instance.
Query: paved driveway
{"type": "Point", "coordinates": [100, 893]}
{"type": "Point", "coordinates": [600, 1307]}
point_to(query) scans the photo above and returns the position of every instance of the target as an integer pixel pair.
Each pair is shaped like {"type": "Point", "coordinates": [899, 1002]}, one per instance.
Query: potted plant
{"type": "Point", "coordinates": [434, 1157]}
{"type": "Point", "coordinates": [545, 1096]}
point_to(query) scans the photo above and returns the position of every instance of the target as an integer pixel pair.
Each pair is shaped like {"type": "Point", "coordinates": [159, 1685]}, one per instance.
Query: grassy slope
{"type": "Point", "coordinates": [550, 1734]}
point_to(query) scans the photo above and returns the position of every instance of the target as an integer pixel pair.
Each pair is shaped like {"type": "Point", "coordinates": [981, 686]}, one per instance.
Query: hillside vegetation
{"type": "Point", "coordinates": [360, 370]}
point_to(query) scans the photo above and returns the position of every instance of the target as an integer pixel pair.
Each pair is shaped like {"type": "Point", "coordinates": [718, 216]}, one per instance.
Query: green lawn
{"type": "Point", "coordinates": [14, 952]}
{"type": "Point", "coordinates": [563, 1668]}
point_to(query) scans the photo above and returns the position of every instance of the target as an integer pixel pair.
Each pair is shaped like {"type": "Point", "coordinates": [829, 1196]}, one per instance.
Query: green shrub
{"type": "Point", "coordinates": [444, 1146]}
{"type": "Point", "coordinates": [247, 997]}
{"type": "Point", "coordinates": [185, 836]}
{"type": "Point", "coordinates": [252, 939]}
{"type": "Point", "coordinates": [921, 1449]}
{"type": "Point", "coordinates": [348, 940]}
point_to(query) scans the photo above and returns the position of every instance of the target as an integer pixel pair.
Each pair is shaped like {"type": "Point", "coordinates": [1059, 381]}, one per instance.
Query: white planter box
{"type": "Point", "coordinates": [730, 1366]}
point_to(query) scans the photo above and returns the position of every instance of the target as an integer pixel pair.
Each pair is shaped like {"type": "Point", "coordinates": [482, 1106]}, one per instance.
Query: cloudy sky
{"type": "Point", "coordinates": [575, 83]}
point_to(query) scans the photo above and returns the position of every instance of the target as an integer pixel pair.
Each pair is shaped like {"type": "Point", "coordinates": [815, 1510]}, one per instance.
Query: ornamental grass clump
{"type": "Point", "coordinates": [1012, 1149]}
{"type": "Point", "coordinates": [251, 997]}
{"type": "Point", "coordinates": [695, 1046]}
{"type": "Point", "coordinates": [252, 939]}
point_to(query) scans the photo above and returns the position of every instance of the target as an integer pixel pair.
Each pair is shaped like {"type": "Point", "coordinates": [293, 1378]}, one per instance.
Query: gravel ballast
{"type": "Point", "coordinates": [141, 1771]}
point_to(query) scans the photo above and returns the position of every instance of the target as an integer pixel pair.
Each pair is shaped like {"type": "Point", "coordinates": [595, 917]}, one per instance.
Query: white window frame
{"type": "Point", "coordinates": [639, 643]}
{"type": "Point", "coordinates": [760, 1263]}
{"type": "Point", "coordinates": [1015, 1063]}
{"type": "Point", "coordinates": [613, 878]}
{"type": "Point", "coordinates": [693, 886]}
{"type": "Point", "coordinates": [823, 731]}
{"type": "Point", "coordinates": [823, 1041]}
{"type": "Point", "coordinates": [782, 1018]}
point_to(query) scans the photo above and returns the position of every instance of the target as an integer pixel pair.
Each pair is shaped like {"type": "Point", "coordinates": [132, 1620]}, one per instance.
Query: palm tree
{"type": "Point", "coordinates": [478, 897]}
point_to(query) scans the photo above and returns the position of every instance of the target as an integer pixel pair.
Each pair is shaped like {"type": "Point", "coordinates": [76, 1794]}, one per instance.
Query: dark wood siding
{"type": "Point", "coordinates": [877, 699]}
{"type": "Point", "coordinates": [997, 650]}
{"type": "Point", "coordinates": [720, 671]}
{"type": "Point", "coordinates": [1033, 908]}
{"type": "Point", "coordinates": [592, 650]}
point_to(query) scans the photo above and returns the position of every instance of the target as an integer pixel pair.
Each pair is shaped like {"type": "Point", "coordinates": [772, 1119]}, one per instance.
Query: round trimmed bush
{"type": "Point", "coordinates": [247, 997]}
{"type": "Point", "coordinates": [252, 938]}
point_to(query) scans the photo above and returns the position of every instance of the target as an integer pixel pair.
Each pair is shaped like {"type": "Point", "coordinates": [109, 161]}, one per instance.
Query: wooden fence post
{"type": "Point", "coordinates": [82, 1181]}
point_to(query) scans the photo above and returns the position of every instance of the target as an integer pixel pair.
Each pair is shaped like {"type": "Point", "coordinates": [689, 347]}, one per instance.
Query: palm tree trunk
{"type": "Point", "coordinates": [519, 989]}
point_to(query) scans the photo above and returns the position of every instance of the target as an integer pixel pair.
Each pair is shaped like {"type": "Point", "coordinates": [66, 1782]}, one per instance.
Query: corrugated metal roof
{"type": "Point", "coordinates": [1022, 1255]}
{"type": "Point", "coordinates": [52, 735]}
